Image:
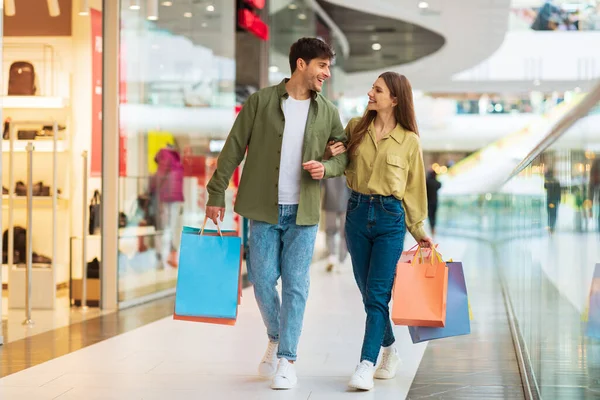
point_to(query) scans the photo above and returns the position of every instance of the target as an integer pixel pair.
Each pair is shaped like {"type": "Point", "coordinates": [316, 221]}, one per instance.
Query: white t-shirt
{"type": "Point", "coordinates": [290, 169]}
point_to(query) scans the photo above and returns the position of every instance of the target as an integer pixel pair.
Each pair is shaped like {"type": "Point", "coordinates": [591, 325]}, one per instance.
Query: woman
{"type": "Point", "coordinates": [387, 178]}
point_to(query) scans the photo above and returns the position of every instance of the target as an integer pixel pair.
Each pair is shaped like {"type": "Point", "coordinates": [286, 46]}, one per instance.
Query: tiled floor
{"type": "Point", "coordinates": [179, 360]}
{"type": "Point", "coordinates": [45, 320]}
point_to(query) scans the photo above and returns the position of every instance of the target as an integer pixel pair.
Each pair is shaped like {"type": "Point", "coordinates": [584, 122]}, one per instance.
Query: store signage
{"type": "Point", "coordinates": [96, 146]}
{"type": "Point", "coordinates": [259, 4]}
{"type": "Point", "coordinates": [251, 22]}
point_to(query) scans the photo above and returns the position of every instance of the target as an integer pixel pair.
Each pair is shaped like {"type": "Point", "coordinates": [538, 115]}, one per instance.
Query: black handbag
{"type": "Point", "coordinates": [95, 213]}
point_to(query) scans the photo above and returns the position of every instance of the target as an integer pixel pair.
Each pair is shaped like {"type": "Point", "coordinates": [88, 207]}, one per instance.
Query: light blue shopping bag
{"type": "Point", "coordinates": [593, 317]}
{"type": "Point", "coordinates": [457, 310]}
{"type": "Point", "coordinates": [208, 281]}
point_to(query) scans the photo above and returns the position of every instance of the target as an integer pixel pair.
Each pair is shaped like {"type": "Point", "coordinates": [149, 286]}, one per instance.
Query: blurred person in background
{"type": "Point", "coordinates": [335, 202]}
{"type": "Point", "coordinates": [594, 191]}
{"type": "Point", "coordinates": [389, 195]}
{"type": "Point", "coordinates": [433, 185]}
{"type": "Point", "coordinates": [553, 194]}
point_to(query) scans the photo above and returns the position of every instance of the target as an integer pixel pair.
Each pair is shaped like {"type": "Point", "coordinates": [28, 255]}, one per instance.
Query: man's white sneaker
{"type": "Point", "coordinates": [363, 376]}
{"type": "Point", "coordinates": [285, 378]}
{"type": "Point", "coordinates": [268, 364]}
{"type": "Point", "coordinates": [389, 364]}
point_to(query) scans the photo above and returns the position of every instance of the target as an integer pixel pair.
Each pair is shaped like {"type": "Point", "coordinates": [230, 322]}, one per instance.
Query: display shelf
{"type": "Point", "coordinates": [33, 102]}
{"type": "Point", "coordinates": [39, 202]}
{"type": "Point", "coordinates": [40, 146]}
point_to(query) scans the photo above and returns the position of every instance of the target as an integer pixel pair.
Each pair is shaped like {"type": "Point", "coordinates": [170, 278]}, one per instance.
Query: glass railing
{"type": "Point", "coordinates": [544, 227]}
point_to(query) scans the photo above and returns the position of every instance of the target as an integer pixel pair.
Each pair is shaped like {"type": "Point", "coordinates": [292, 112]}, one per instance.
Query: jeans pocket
{"type": "Point", "coordinates": [393, 207]}
{"type": "Point", "coordinates": [352, 205]}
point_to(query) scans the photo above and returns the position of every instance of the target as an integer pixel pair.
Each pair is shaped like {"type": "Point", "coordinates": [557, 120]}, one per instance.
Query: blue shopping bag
{"type": "Point", "coordinates": [457, 310]}
{"type": "Point", "coordinates": [593, 317]}
{"type": "Point", "coordinates": [208, 281]}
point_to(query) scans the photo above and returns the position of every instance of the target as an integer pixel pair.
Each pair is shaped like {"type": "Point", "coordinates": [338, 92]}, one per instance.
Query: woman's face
{"type": "Point", "coordinates": [380, 98]}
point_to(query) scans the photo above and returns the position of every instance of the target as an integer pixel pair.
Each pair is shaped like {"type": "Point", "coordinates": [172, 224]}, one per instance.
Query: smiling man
{"type": "Point", "coordinates": [285, 129]}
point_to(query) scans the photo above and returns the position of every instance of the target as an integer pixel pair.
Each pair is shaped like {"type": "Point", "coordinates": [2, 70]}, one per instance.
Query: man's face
{"type": "Point", "coordinates": [315, 73]}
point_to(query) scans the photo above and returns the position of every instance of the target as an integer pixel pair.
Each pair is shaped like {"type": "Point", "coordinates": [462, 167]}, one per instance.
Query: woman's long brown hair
{"type": "Point", "coordinates": [404, 111]}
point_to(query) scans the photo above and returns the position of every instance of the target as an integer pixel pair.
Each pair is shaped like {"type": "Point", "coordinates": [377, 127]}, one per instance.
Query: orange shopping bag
{"type": "Point", "coordinates": [408, 255]}
{"type": "Point", "coordinates": [420, 292]}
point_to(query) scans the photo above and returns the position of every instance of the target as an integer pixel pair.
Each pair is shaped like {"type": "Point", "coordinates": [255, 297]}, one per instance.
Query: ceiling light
{"type": "Point", "coordinates": [84, 8]}
{"type": "Point", "coordinates": [423, 5]}
{"type": "Point", "coordinates": [152, 10]}
{"type": "Point", "coordinates": [376, 46]}
{"type": "Point", "coordinates": [292, 6]}
{"type": "Point", "coordinates": [302, 16]}
{"type": "Point", "coordinates": [167, 3]}
{"type": "Point", "coordinates": [9, 8]}
{"type": "Point", "coordinates": [204, 25]}
{"type": "Point", "coordinates": [187, 15]}
{"type": "Point", "coordinates": [273, 68]}
{"type": "Point", "coordinates": [210, 8]}
{"type": "Point", "coordinates": [134, 4]}
{"type": "Point", "coordinates": [53, 8]}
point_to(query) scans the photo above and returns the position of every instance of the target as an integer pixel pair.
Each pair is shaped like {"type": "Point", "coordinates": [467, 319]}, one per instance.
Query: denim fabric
{"type": "Point", "coordinates": [375, 230]}
{"type": "Point", "coordinates": [284, 250]}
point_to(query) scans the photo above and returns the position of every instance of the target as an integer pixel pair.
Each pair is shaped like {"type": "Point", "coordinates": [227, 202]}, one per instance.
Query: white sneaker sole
{"type": "Point", "coordinates": [285, 384]}
{"type": "Point", "coordinates": [265, 372]}
{"type": "Point", "coordinates": [361, 386]}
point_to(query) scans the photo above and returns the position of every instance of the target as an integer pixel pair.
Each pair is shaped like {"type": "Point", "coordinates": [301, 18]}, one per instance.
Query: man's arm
{"type": "Point", "coordinates": [336, 166]}
{"type": "Point", "coordinates": [230, 158]}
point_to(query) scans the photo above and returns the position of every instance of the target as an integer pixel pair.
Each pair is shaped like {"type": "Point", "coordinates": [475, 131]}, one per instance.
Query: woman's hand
{"type": "Point", "coordinates": [427, 243]}
{"type": "Point", "coordinates": [333, 149]}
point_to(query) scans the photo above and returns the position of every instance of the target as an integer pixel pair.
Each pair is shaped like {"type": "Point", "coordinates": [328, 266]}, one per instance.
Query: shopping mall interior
{"type": "Point", "coordinates": [116, 111]}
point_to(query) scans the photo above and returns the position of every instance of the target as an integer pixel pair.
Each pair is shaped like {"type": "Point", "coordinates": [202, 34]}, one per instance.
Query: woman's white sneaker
{"type": "Point", "coordinates": [389, 364]}
{"type": "Point", "coordinates": [268, 364]}
{"type": "Point", "coordinates": [363, 376]}
{"type": "Point", "coordinates": [285, 377]}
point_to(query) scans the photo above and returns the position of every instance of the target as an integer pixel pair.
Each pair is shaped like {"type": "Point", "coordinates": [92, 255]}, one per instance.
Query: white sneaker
{"type": "Point", "coordinates": [268, 364]}
{"type": "Point", "coordinates": [285, 378]}
{"type": "Point", "coordinates": [363, 376]}
{"type": "Point", "coordinates": [389, 365]}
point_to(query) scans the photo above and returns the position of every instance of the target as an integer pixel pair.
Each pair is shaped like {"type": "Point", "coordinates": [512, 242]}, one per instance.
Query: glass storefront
{"type": "Point", "coordinates": [51, 160]}
{"type": "Point", "coordinates": [177, 105]}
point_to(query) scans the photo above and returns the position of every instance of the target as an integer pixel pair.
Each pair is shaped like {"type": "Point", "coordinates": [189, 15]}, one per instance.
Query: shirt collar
{"type": "Point", "coordinates": [398, 133]}
{"type": "Point", "coordinates": [282, 91]}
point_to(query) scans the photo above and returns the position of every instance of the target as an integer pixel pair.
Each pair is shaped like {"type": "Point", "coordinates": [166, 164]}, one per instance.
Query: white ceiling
{"type": "Point", "coordinates": [473, 29]}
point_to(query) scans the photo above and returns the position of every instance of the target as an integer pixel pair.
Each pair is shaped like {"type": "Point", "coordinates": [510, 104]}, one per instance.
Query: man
{"type": "Point", "coordinates": [553, 195]}
{"type": "Point", "coordinates": [433, 185]}
{"type": "Point", "coordinates": [285, 129]}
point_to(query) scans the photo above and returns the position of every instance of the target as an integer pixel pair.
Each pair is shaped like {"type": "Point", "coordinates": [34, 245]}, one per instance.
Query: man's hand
{"type": "Point", "coordinates": [315, 168]}
{"type": "Point", "coordinates": [333, 149]}
{"type": "Point", "coordinates": [215, 213]}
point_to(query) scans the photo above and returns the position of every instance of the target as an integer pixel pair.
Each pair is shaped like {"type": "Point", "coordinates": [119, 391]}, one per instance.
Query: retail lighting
{"type": "Point", "coordinates": [187, 15]}
{"type": "Point", "coordinates": [210, 8]}
{"type": "Point", "coordinates": [376, 46]}
{"type": "Point", "coordinates": [302, 16]}
{"type": "Point", "coordinates": [134, 4]}
{"type": "Point", "coordinates": [167, 3]}
{"type": "Point", "coordinates": [273, 68]}
{"type": "Point", "coordinates": [84, 8]}
{"type": "Point", "coordinates": [292, 6]}
{"type": "Point", "coordinates": [53, 8]}
{"type": "Point", "coordinates": [423, 5]}
{"type": "Point", "coordinates": [152, 10]}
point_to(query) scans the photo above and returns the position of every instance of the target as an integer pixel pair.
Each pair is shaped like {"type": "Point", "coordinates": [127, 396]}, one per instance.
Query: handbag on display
{"type": "Point", "coordinates": [95, 212]}
{"type": "Point", "coordinates": [21, 79]}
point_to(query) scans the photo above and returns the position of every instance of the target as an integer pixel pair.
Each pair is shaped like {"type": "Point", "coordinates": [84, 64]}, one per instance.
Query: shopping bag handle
{"type": "Point", "coordinates": [204, 226]}
{"type": "Point", "coordinates": [434, 253]}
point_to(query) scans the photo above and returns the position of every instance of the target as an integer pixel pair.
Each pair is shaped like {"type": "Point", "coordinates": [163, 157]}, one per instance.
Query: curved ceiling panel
{"type": "Point", "coordinates": [398, 42]}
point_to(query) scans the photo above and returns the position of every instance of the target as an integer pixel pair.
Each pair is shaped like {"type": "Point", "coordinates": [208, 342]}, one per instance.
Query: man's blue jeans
{"type": "Point", "coordinates": [284, 250]}
{"type": "Point", "coordinates": [375, 230]}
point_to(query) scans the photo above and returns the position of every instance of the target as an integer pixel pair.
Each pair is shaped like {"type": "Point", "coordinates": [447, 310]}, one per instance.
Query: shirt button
{"type": "Point", "coordinates": [276, 168]}
{"type": "Point", "coordinates": [281, 135]}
